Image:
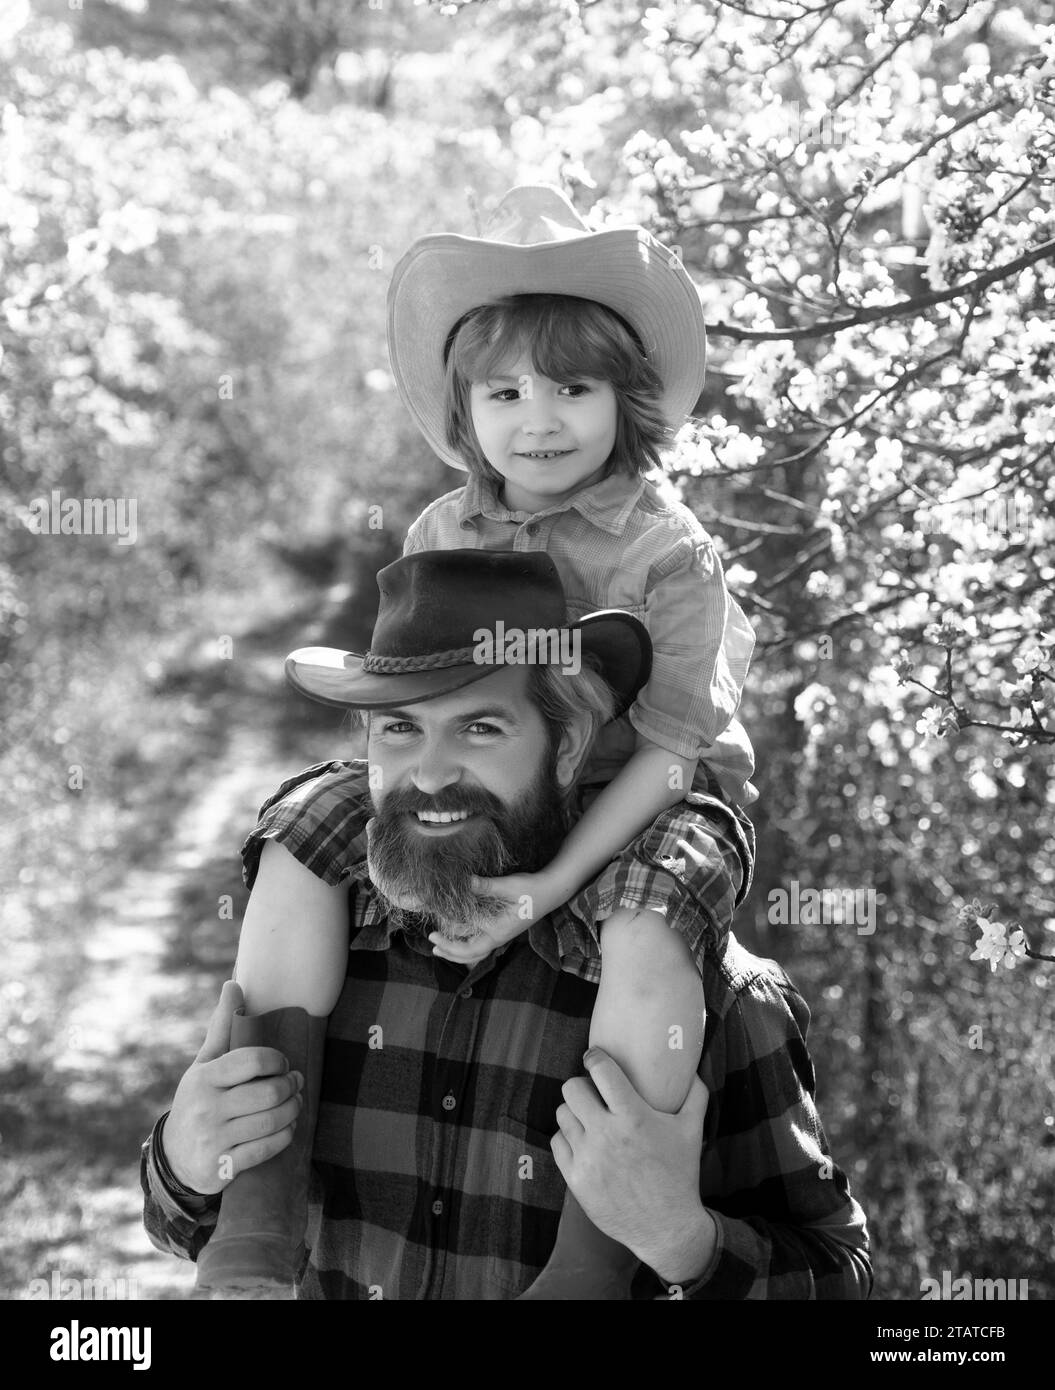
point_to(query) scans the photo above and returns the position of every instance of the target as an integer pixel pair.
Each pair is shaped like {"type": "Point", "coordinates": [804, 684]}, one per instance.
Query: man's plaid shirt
{"type": "Point", "coordinates": [433, 1176]}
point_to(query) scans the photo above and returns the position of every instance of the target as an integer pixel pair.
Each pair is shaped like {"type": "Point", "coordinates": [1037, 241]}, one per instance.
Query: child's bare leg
{"type": "Point", "coordinates": [649, 1017]}
{"type": "Point", "coordinates": [649, 1012]}
{"type": "Point", "coordinates": [293, 947]}
{"type": "Point", "coordinates": [292, 955]}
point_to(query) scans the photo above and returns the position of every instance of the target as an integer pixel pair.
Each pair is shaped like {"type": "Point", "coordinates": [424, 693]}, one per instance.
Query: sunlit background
{"type": "Point", "coordinates": [200, 207]}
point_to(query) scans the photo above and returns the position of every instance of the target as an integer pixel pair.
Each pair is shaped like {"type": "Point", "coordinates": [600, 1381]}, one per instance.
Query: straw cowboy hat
{"type": "Point", "coordinates": [536, 243]}
{"type": "Point", "coordinates": [427, 641]}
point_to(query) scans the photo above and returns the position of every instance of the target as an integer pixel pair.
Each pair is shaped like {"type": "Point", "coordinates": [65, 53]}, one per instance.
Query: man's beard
{"type": "Point", "coordinates": [406, 864]}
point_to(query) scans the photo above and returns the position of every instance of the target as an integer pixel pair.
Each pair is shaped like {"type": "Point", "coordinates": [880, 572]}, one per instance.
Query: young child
{"type": "Point", "coordinates": [554, 364]}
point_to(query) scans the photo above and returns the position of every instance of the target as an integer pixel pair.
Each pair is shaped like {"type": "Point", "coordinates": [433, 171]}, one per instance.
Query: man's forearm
{"type": "Point", "coordinates": [752, 1258]}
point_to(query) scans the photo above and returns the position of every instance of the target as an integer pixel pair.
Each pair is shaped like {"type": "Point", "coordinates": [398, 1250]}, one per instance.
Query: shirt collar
{"type": "Point", "coordinates": [606, 505]}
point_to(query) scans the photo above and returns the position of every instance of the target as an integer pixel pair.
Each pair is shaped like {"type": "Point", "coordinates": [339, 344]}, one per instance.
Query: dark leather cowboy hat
{"type": "Point", "coordinates": [435, 606]}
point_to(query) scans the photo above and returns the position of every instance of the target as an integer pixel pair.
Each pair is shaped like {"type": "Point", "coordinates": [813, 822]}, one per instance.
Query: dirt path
{"type": "Point", "coordinates": [154, 958]}
{"type": "Point", "coordinates": [124, 983]}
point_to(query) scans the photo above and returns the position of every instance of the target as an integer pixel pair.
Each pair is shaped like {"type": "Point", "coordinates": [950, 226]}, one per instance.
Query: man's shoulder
{"type": "Point", "coordinates": [757, 1022]}
{"type": "Point", "coordinates": [740, 979]}
{"type": "Point", "coordinates": [739, 967]}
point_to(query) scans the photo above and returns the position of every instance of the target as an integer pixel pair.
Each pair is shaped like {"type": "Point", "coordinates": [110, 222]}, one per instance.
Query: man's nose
{"type": "Point", "coordinates": [435, 769]}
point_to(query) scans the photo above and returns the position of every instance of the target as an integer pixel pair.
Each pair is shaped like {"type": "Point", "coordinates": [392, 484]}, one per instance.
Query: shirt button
{"type": "Point", "coordinates": [468, 525]}
{"type": "Point", "coordinates": [449, 1102]}
{"type": "Point", "coordinates": [466, 993]}
{"type": "Point", "coordinates": [532, 528]}
{"type": "Point", "coordinates": [437, 1208]}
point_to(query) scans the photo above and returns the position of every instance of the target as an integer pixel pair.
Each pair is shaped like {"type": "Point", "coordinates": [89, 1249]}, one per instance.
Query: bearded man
{"type": "Point", "coordinates": [452, 1116]}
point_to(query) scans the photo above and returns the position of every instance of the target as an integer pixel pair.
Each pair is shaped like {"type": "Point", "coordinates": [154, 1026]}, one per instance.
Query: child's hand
{"type": "Point", "coordinates": [526, 898]}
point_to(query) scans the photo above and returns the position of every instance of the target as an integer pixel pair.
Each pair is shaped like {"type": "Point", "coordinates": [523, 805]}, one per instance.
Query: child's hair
{"type": "Point", "coordinates": [568, 339]}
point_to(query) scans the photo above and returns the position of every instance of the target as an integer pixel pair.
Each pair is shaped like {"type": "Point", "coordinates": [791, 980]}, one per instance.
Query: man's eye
{"type": "Point", "coordinates": [479, 727]}
{"type": "Point", "coordinates": [397, 726]}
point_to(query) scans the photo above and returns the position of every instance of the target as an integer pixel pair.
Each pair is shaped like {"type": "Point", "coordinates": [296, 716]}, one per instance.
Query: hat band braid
{"type": "Point", "coordinates": [432, 661]}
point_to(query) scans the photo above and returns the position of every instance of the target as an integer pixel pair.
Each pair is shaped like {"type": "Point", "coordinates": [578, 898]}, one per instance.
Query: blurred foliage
{"type": "Point", "coordinates": [242, 41]}
{"type": "Point", "coordinates": [193, 316]}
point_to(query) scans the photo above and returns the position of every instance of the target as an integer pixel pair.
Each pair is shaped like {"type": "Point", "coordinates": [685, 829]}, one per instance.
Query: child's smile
{"type": "Point", "coordinates": [547, 439]}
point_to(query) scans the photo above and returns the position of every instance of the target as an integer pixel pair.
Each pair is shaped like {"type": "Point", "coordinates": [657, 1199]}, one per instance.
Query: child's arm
{"type": "Point", "coordinates": [651, 781]}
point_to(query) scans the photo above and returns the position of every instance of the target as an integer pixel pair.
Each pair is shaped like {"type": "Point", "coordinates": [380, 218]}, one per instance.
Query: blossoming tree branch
{"type": "Point", "coordinates": [863, 192]}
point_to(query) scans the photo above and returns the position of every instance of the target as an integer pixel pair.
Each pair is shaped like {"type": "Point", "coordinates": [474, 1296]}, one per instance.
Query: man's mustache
{"type": "Point", "coordinates": [410, 800]}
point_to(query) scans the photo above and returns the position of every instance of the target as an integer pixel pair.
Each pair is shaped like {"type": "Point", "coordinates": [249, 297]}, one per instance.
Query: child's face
{"type": "Point", "coordinates": [521, 413]}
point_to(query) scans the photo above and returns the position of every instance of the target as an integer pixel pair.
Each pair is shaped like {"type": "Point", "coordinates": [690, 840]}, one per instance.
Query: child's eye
{"type": "Point", "coordinates": [576, 386]}
{"type": "Point", "coordinates": [507, 393]}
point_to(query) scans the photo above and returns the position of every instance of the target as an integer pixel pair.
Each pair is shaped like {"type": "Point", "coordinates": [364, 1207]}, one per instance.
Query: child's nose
{"type": "Point", "coordinates": [540, 417]}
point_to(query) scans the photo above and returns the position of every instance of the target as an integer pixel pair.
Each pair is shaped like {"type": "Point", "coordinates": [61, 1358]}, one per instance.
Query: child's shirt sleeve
{"type": "Point", "coordinates": [694, 865]}
{"type": "Point", "coordinates": [417, 537]}
{"type": "Point", "coordinates": [701, 644]}
{"type": "Point", "coordinates": [439, 527]}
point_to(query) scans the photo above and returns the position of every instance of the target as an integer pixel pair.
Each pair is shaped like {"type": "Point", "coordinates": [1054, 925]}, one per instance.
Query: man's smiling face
{"type": "Point", "coordinates": [468, 783]}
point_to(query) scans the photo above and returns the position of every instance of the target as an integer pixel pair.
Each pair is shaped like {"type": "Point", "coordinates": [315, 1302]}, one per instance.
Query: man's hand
{"type": "Point", "coordinates": [635, 1171]}
{"type": "Point", "coordinates": [524, 899]}
{"type": "Point", "coordinates": [232, 1110]}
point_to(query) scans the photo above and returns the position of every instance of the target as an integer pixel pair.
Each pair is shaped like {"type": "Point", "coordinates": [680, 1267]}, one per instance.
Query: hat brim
{"type": "Point", "coordinates": [442, 277]}
{"type": "Point", "coordinates": [333, 677]}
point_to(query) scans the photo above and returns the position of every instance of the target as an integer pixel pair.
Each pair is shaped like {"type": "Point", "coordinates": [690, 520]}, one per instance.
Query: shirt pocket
{"type": "Point", "coordinates": [526, 1202]}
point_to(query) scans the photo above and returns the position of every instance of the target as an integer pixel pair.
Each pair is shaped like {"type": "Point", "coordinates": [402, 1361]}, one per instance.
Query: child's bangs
{"type": "Point", "coordinates": [568, 346]}
{"type": "Point", "coordinates": [563, 342]}
{"type": "Point", "coordinates": [488, 344]}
